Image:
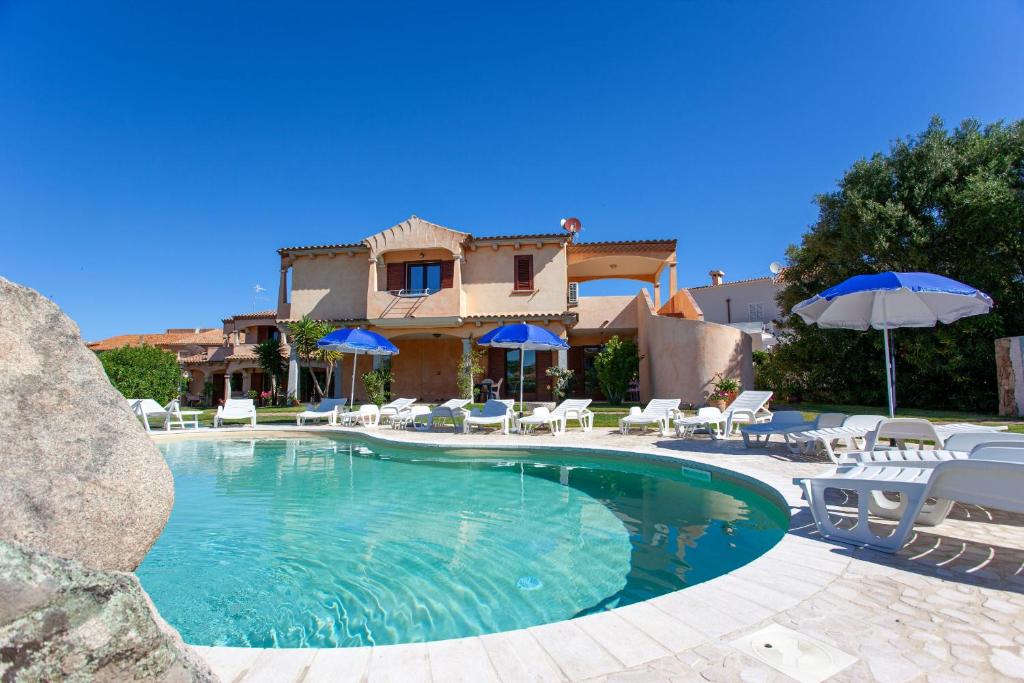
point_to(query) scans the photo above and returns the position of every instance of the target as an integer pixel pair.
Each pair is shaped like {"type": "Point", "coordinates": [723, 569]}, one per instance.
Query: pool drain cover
{"type": "Point", "coordinates": [806, 659]}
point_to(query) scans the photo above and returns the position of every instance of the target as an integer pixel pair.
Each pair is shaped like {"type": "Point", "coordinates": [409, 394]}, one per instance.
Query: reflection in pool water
{"type": "Point", "coordinates": [323, 542]}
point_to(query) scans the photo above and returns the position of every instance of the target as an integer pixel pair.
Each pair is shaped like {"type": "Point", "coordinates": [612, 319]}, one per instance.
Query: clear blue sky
{"type": "Point", "coordinates": [154, 155]}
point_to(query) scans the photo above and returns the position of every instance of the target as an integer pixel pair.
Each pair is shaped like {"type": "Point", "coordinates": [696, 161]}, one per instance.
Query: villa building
{"type": "Point", "coordinates": [433, 290]}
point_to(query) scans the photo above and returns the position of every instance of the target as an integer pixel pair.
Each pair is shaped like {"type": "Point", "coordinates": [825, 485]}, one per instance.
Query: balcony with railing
{"type": "Point", "coordinates": [408, 305]}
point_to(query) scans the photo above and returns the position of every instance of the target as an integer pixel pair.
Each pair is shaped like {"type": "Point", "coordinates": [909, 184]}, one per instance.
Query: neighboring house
{"type": "Point", "coordinates": [433, 290]}
{"type": "Point", "coordinates": [746, 304]}
{"type": "Point", "coordinates": [180, 341]}
{"type": "Point", "coordinates": [218, 354]}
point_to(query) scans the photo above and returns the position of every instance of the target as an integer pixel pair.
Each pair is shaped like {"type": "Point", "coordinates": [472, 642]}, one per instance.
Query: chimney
{"type": "Point", "coordinates": [716, 277]}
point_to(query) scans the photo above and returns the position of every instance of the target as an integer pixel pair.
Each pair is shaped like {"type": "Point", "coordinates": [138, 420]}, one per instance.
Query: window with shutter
{"type": "Point", "coordinates": [396, 276]}
{"type": "Point", "coordinates": [447, 274]}
{"type": "Point", "coordinates": [523, 276]}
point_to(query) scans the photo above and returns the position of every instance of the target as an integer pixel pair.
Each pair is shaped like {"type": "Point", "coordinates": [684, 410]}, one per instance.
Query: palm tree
{"type": "Point", "coordinates": [304, 335]}
{"type": "Point", "coordinates": [268, 353]}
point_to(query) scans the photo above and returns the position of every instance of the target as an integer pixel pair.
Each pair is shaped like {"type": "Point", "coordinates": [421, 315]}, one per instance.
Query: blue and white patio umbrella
{"type": "Point", "coordinates": [885, 301]}
{"type": "Point", "coordinates": [524, 337]}
{"type": "Point", "coordinates": [356, 341]}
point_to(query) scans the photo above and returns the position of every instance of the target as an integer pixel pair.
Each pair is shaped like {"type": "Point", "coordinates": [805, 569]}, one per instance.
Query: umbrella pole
{"type": "Point", "coordinates": [890, 389]}
{"type": "Point", "coordinates": [522, 362]}
{"type": "Point", "coordinates": [352, 392]}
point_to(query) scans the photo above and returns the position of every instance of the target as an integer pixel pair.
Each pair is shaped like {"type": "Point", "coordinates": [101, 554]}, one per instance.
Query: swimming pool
{"type": "Point", "coordinates": [339, 541]}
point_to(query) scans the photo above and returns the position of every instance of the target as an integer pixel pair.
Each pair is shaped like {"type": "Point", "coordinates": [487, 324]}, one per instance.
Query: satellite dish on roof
{"type": "Point", "coordinates": [571, 225]}
{"type": "Point", "coordinates": [776, 267]}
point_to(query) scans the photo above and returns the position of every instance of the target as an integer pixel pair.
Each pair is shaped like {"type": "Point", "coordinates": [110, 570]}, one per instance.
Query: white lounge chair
{"type": "Point", "coordinates": [556, 420]}
{"type": "Point", "coordinates": [236, 409]}
{"type": "Point", "coordinates": [452, 409]}
{"type": "Point", "coordinates": [992, 476]}
{"type": "Point", "coordinates": [368, 415]}
{"type": "Point", "coordinates": [709, 419]}
{"type": "Point", "coordinates": [749, 406]}
{"type": "Point", "coordinates": [969, 441]}
{"type": "Point", "coordinates": [903, 429]}
{"type": "Point", "coordinates": [329, 408]}
{"type": "Point", "coordinates": [826, 438]}
{"type": "Point", "coordinates": [659, 411]}
{"type": "Point", "coordinates": [408, 417]}
{"type": "Point", "coordinates": [389, 411]}
{"type": "Point", "coordinates": [494, 413]}
{"type": "Point", "coordinates": [173, 415]}
{"type": "Point", "coordinates": [785, 423]}
{"type": "Point", "coordinates": [957, 447]}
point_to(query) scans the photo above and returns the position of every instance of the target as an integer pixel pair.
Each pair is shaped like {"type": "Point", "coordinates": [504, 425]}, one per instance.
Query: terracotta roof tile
{"type": "Point", "coordinates": [777, 279]}
{"type": "Point", "coordinates": [253, 316]}
{"type": "Point", "coordinates": [203, 337]}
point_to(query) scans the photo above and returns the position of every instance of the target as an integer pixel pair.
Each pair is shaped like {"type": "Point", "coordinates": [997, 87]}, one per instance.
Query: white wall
{"type": "Point", "coordinates": [740, 296]}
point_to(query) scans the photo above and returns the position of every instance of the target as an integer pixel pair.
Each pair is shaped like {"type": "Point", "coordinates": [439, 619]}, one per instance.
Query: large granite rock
{"type": "Point", "coordinates": [62, 622]}
{"type": "Point", "coordinates": [79, 477]}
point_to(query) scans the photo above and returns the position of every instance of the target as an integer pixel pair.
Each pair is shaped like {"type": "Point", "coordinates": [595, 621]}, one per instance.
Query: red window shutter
{"type": "Point", "coordinates": [447, 274]}
{"type": "Point", "coordinates": [396, 276]}
{"type": "Point", "coordinates": [523, 276]}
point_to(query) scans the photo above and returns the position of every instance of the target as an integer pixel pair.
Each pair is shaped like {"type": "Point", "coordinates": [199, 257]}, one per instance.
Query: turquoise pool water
{"type": "Point", "coordinates": [331, 542]}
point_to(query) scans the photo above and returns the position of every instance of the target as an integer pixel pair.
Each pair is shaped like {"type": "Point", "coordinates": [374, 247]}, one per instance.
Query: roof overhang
{"type": "Point", "coordinates": [439, 321]}
{"type": "Point", "coordinates": [633, 260]}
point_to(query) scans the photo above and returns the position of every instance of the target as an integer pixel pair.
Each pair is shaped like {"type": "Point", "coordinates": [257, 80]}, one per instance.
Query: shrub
{"type": "Point", "coordinates": [616, 364]}
{"type": "Point", "coordinates": [562, 380]}
{"type": "Point", "coordinates": [143, 372]}
{"type": "Point", "coordinates": [378, 385]}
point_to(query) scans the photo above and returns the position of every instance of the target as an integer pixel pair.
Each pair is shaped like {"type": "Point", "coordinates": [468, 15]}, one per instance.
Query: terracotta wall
{"type": "Point", "coordinates": [487, 279]}
{"type": "Point", "coordinates": [328, 288]}
{"type": "Point", "coordinates": [426, 368]}
{"type": "Point", "coordinates": [680, 357]}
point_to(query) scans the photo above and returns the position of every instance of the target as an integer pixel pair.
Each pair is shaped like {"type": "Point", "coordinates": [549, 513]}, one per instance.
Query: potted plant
{"type": "Point", "coordinates": [724, 390]}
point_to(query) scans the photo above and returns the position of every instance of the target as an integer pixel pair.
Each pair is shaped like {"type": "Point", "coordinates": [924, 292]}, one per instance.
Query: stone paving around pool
{"type": "Point", "coordinates": [948, 607]}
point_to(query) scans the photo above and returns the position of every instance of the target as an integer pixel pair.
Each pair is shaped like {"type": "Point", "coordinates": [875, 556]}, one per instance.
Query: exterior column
{"type": "Point", "coordinates": [293, 375]}
{"type": "Point", "coordinates": [672, 287]}
{"type": "Point", "coordinates": [227, 385]}
{"type": "Point", "coordinates": [282, 287]}
{"type": "Point", "coordinates": [338, 390]}
{"type": "Point", "coordinates": [563, 358]}
{"type": "Point", "coordinates": [657, 295]}
{"type": "Point", "coordinates": [246, 382]}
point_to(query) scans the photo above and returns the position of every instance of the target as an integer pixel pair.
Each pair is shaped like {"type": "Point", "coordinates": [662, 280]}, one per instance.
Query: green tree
{"type": "Point", "coordinates": [616, 364]}
{"type": "Point", "coordinates": [268, 354]}
{"type": "Point", "coordinates": [143, 372]}
{"type": "Point", "coordinates": [945, 202]}
{"type": "Point", "coordinates": [304, 334]}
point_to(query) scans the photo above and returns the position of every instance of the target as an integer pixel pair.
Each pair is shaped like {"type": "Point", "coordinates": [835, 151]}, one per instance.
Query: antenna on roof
{"type": "Point", "coordinates": [256, 291]}
{"type": "Point", "coordinates": [776, 267]}
{"type": "Point", "coordinates": [571, 226]}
